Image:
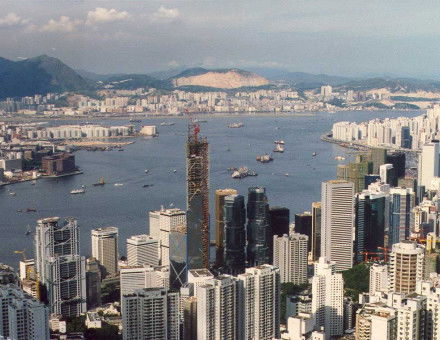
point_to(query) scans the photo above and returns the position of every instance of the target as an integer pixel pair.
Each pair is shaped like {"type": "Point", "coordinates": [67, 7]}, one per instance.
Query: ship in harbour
{"type": "Point", "coordinates": [266, 158]}
{"type": "Point", "coordinates": [78, 191]}
{"type": "Point", "coordinates": [101, 182]}
{"type": "Point", "coordinates": [167, 124]}
{"type": "Point", "coordinates": [279, 148]}
{"type": "Point", "coordinates": [235, 125]}
{"type": "Point", "coordinates": [242, 172]}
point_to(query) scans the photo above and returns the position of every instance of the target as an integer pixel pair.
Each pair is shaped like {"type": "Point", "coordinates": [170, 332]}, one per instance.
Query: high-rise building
{"type": "Point", "coordinates": [375, 321]}
{"type": "Point", "coordinates": [337, 223]}
{"type": "Point", "coordinates": [105, 248]}
{"type": "Point", "coordinates": [315, 249]}
{"type": "Point", "coordinates": [178, 256]}
{"type": "Point", "coordinates": [217, 309]}
{"type": "Point", "coordinates": [21, 316]}
{"type": "Point", "coordinates": [220, 195]}
{"type": "Point", "coordinates": [378, 278]}
{"type": "Point", "coordinates": [160, 228]}
{"type": "Point", "coordinates": [139, 277]}
{"type": "Point", "coordinates": [402, 203]}
{"type": "Point", "coordinates": [357, 172]}
{"type": "Point", "coordinates": [234, 234]}
{"type": "Point", "coordinates": [370, 222]}
{"type": "Point", "coordinates": [60, 268]}
{"type": "Point", "coordinates": [387, 174]}
{"type": "Point", "coordinates": [303, 225]}
{"type": "Point", "coordinates": [143, 249]}
{"type": "Point", "coordinates": [398, 160]}
{"type": "Point", "coordinates": [93, 283]}
{"type": "Point", "coordinates": [378, 157]}
{"type": "Point", "coordinates": [407, 267]}
{"type": "Point", "coordinates": [197, 168]}
{"type": "Point", "coordinates": [151, 313]}
{"type": "Point", "coordinates": [279, 220]}
{"type": "Point", "coordinates": [428, 166]}
{"type": "Point", "coordinates": [290, 256]}
{"type": "Point", "coordinates": [258, 228]}
{"type": "Point", "coordinates": [259, 292]}
{"type": "Point", "coordinates": [328, 298]}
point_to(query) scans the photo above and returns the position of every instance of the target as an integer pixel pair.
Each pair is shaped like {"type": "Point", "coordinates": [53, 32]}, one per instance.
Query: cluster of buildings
{"type": "Point", "coordinates": [171, 288]}
{"type": "Point", "coordinates": [398, 133]}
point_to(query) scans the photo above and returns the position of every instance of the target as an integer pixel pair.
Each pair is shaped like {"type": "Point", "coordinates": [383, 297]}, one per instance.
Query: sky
{"type": "Point", "coordinates": [351, 38]}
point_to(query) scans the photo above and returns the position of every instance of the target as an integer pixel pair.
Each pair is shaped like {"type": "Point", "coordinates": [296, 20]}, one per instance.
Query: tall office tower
{"type": "Point", "coordinates": [290, 256]}
{"type": "Point", "coordinates": [93, 283]}
{"type": "Point", "coordinates": [398, 160]}
{"type": "Point", "coordinates": [303, 225]}
{"type": "Point", "coordinates": [328, 298]}
{"type": "Point", "coordinates": [258, 228]}
{"type": "Point", "coordinates": [143, 249]}
{"type": "Point", "coordinates": [178, 256]}
{"type": "Point", "coordinates": [370, 222]}
{"type": "Point", "coordinates": [357, 172]}
{"type": "Point", "coordinates": [234, 234]}
{"type": "Point", "coordinates": [337, 223]}
{"type": "Point", "coordinates": [315, 249]}
{"type": "Point", "coordinates": [21, 316]}
{"type": "Point", "coordinates": [279, 220]}
{"type": "Point", "coordinates": [139, 277]}
{"type": "Point", "coordinates": [402, 203]}
{"type": "Point", "coordinates": [217, 310]}
{"type": "Point", "coordinates": [189, 312]}
{"type": "Point", "coordinates": [161, 223]}
{"type": "Point", "coordinates": [60, 267]}
{"type": "Point", "coordinates": [220, 195]}
{"type": "Point", "coordinates": [326, 91]}
{"type": "Point", "coordinates": [405, 137]}
{"type": "Point", "coordinates": [429, 288]}
{"type": "Point", "coordinates": [387, 174]}
{"type": "Point", "coordinates": [105, 248]}
{"type": "Point", "coordinates": [378, 157]}
{"type": "Point", "coordinates": [197, 172]}
{"type": "Point", "coordinates": [259, 291]}
{"type": "Point", "coordinates": [407, 266]}
{"type": "Point", "coordinates": [378, 278]}
{"type": "Point", "coordinates": [375, 321]}
{"type": "Point", "coordinates": [151, 313]}
{"type": "Point", "coordinates": [428, 166]}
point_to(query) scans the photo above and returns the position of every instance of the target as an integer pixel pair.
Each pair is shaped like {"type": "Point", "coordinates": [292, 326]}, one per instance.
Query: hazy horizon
{"type": "Point", "coordinates": [344, 38]}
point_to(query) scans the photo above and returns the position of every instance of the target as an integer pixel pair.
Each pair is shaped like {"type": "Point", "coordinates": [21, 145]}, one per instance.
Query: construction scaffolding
{"type": "Point", "coordinates": [197, 158]}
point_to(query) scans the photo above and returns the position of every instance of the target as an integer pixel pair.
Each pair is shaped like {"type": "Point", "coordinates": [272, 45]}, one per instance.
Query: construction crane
{"type": "Point", "coordinates": [193, 125]}
{"type": "Point", "coordinates": [367, 253]}
{"type": "Point", "coordinates": [385, 251]}
{"type": "Point", "coordinates": [28, 273]}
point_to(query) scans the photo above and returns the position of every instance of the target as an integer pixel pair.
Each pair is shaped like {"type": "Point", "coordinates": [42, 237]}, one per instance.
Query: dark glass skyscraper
{"type": "Point", "coordinates": [397, 159]}
{"type": "Point", "coordinates": [178, 256]}
{"type": "Point", "coordinates": [316, 231]}
{"type": "Point", "coordinates": [279, 220]}
{"type": "Point", "coordinates": [258, 228]}
{"type": "Point", "coordinates": [303, 225]}
{"type": "Point", "coordinates": [234, 217]}
{"type": "Point", "coordinates": [378, 157]}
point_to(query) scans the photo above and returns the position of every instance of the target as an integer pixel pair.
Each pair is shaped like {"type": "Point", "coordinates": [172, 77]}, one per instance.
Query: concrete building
{"type": "Point", "coordinates": [105, 248]}
{"type": "Point", "coordinates": [93, 283]}
{"type": "Point", "coordinates": [428, 165]}
{"type": "Point", "coordinates": [290, 256]}
{"type": "Point", "coordinates": [376, 321]}
{"type": "Point", "coordinates": [407, 266]}
{"type": "Point", "coordinates": [337, 223]}
{"type": "Point", "coordinates": [21, 316]}
{"type": "Point", "coordinates": [315, 250]}
{"type": "Point", "coordinates": [151, 313]}
{"type": "Point", "coordinates": [328, 298]}
{"type": "Point", "coordinates": [60, 267]}
{"type": "Point", "coordinates": [139, 277]}
{"type": "Point", "coordinates": [387, 174]}
{"type": "Point", "coordinates": [143, 249]}
{"type": "Point", "coordinates": [378, 278]}
{"type": "Point", "coordinates": [161, 223]}
{"type": "Point", "coordinates": [58, 164]}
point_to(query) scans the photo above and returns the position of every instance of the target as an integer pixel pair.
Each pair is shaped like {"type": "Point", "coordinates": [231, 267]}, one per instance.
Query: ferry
{"type": "Point", "coordinates": [279, 148]}
{"type": "Point", "coordinates": [78, 191]}
{"type": "Point", "coordinates": [266, 158]}
{"type": "Point", "coordinates": [236, 125]}
{"type": "Point", "coordinates": [243, 172]}
{"type": "Point", "coordinates": [167, 124]}
{"type": "Point", "coordinates": [118, 184]}
{"type": "Point", "coordinates": [12, 193]}
{"type": "Point", "coordinates": [279, 142]}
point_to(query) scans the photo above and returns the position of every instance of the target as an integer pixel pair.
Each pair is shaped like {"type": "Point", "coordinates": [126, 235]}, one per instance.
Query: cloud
{"type": "Point", "coordinates": [166, 14]}
{"type": "Point", "coordinates": [64, 24]}
{"type": "Point", "coordinates": [12, 20]}
{"type": "Point", "coordinates": [104, 15]}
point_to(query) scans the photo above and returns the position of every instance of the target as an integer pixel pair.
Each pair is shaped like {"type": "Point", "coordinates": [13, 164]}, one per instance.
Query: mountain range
{"type": "Point", "coordinates": [44, 74]}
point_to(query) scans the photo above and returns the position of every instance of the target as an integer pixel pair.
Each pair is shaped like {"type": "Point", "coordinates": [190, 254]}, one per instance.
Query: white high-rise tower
{"type": "Point", "coordinates": [105, 248]}
{"type": "Point", "coordinates": [428, 166]}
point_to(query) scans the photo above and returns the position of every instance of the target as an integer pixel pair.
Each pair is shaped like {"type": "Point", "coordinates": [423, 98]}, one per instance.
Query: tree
{"type": "Point", "coordinates": [357, 280]}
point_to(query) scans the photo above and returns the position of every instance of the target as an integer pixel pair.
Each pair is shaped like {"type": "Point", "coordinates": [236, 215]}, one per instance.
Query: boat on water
{"type": "Point", "coordinates": [147, 185]}
{"type": "Point", "coordinates": [235, 125]}
{"type": "Point", "coordinates": [31, 210]}
{"type": "Point", "coordinates": [279, 148]}
{"type": "Point", "coordinates": [243, 172]}
{"type": "Point", "coordinates": [118, 184]}
{"type": "Point", "coordinates": [147, 171]}
{"type": "Point", "coordinates": [135, 121]}
{"type": "Point", "coordinates": [266, 158]}
{"type": "Point", "coordinates": [28, 231]}
{"type": "Point", "coordinates": [286, 174]}
{"type": "Point", "coordinates": [19, 210]}
{"type": "Point", "coordinates": [78, 191]}
{"type": "Point", "coordinates": [12, 193]}
{"type": "Point", "coordinates": [200, 121]}
{"type": "Point", "coordinates": [101, 182]}
{"type": "Point", "coordinates": [279, 142]}
{"type": "Point", "coordinates": [167, 124]}
{"type": "Point", "coordinates": [314, 154]}
{"type": "Point", "coordinates": [339, 158]}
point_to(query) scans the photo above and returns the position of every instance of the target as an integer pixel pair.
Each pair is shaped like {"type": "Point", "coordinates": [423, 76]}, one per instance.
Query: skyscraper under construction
{"type": "Point", "coordinates": [197, 167]}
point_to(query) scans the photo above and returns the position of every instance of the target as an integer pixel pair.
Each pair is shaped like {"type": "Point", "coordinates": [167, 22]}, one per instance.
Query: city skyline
{"type": "Point", "coordinates": [341, 38]}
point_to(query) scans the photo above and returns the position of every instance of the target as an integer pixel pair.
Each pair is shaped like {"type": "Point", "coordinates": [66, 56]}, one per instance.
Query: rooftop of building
{"type": "Point", "coordinates": [202, 272]}
{"type": "Point", "coordinates": [105, 230]}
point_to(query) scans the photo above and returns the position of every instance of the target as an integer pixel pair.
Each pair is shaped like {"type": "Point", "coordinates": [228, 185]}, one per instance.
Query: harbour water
{"type": "Point", "coordinates": [292, 180]}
